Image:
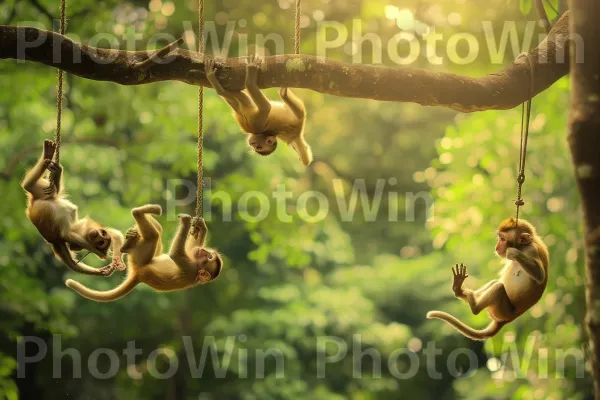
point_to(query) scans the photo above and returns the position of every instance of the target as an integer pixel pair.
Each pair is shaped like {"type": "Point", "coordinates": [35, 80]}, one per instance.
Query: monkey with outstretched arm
{"type": "Point", "coordinates": [521, 283]}
{"type": "Point", "coordinates": [188, 264]}
{"type": "Point", "coordinates": [57, 219]}
{"type": "Point", "coordinates": [264, 120]}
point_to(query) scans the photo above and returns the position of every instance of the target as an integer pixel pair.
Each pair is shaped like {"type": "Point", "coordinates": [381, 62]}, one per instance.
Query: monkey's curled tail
{"type": "Point", "coordinates": [110, 295]}
{"type": "Point", "coordinates": [483, 334]}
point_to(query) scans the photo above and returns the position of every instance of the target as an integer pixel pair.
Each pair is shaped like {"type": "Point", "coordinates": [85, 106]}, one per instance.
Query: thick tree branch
{"type": "Point", "coordinates": [502, 90]}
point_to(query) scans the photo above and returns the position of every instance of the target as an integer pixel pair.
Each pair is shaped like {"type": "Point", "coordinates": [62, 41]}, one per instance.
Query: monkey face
{"type": "Point", "coordinates": [502, 244]}
{"type": "Point", "coordinates": [100, 240]}
{"type": "Point", "coordinates": [263, 144]}
{"type": "Point", "coordinates": [508, 239]}
{"type": "Point", "coordinates": [209, 264]}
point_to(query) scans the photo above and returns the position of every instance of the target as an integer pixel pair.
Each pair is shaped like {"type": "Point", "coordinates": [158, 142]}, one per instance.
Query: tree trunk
{"type": "Point", "coordinates": [584, 143]}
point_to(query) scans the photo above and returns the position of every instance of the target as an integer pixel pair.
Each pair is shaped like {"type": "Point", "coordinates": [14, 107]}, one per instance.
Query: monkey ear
{"type": "Point", "coordinates": [203, 276]}
{"type": "Point", "coordinates": [525, 238]}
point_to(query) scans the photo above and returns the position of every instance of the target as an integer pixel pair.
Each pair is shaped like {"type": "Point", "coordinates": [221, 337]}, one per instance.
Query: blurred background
{"type": "Point", "coordinates": [289, 285]}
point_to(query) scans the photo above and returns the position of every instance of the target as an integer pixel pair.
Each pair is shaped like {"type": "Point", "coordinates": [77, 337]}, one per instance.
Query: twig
{"type": "Point", "coordinates": [158, 55]}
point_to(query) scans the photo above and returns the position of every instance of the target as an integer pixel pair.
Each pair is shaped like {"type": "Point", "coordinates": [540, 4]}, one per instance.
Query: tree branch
{"type": "Point", "coordinates": [502, 90]}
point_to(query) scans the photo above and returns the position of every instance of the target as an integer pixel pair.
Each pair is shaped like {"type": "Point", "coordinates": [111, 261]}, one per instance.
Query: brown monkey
{"type": "Point", "coordinates": [521, 284]}
{"type": "Point", "coordinates": [188, 264]}
{"type": "Point", "coordinates": [265, 121]}
{"type": "Point", "coordinates": [57, 220]}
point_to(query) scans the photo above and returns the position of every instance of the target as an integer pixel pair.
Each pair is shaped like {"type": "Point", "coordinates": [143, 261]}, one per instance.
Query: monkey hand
{"type": "Point", "coordinates": [198, 226]}
{"type": "Point", "coordinates": [203, 276]}
{"type": "Point", "coordinates": [55, 171]}
{"type": "Point", "coordinates": [117, 264]}
{"type": "Point", "coordinates": [50, 189]}
{"type": "Point", "coordinates": [511, 253]}
{"type": "Point", "coordinates": [108, 270]}
{"type": "Point", "coordinates": [55, 168]}
{"type": "Point", "coordinates": [49, 149]}
{"type": "Point", "coordinates": [459, 273]}
{"type": "Point", "coordinates": [132, 233]}
{"type": "Point", "coordinates": [209, 66]}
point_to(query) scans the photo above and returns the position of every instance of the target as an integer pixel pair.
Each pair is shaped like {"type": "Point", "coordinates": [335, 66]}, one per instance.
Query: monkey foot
{"type": "Point", "coordinates": [118, 265]}
{"type": "Point", "coordinates": [107, 271]}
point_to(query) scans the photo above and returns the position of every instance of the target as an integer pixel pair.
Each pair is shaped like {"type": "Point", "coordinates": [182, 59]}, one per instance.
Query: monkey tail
{"type": "Point", "coordinates": [492, 329]}
{"type": "Point", "coordinates": [104, 296]}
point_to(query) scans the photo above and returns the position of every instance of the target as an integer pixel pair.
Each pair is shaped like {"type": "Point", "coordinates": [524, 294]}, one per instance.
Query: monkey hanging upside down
{"type": "Point", "coordinates": [57, 220]}
{"type": "Point", "coordinates": [265, 121]}
{"type": "Point", "coordinates": [521, 284]}
{"type": "Point", "coordinates": [188, 264]}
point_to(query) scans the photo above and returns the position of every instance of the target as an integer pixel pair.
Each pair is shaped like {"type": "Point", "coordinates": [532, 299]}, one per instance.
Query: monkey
{"type": "Point", "coordinates": [57, 220]}
{"type": "Point", "coordinates": [263, 120]}
{"type": "Point", "coordinates": [521, 283]}
{"type": "Point", "coordinates": [188, 263]}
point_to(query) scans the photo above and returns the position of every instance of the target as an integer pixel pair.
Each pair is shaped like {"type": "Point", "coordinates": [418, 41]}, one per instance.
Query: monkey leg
{"type": "Point", "coordinates": [177, 251]}
{"type": "Point", "coordinates": [150, 235]}
{"type": "Point", "coordinates": [33, 182]}
{"type": "Point", "coordinates": [228, 95]}
{"type": "Point", "coordinates": [293, 102]}
{"type": "Point", "coordinates": [258, 97]}
{"type": "Point", "coordinates": [485, 287]}
{"type": "Point", "coordinates": [495, 295]}
{"type": "Point", "coordinates": [146, 228]}
{"type": "Point", "coordinates": [158, 226]}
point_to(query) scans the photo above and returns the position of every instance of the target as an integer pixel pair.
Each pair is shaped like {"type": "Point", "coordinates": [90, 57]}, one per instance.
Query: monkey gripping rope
{"type": "Point", "coordinates": [59, 89]}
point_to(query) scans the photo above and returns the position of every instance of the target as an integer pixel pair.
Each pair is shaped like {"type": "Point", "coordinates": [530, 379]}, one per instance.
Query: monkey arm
{"type": "Point", "coordinates": [32, 177]}
{"type": "Point", "coordinates": [117, 240]}
{"type": "Point", "coordinates": [199, 231]}
{"type": "Point", "coordinates": [532, 265]}
{"type": "Point", "coordinates": [303, 150]}
{"type": "Point", "coordinates": [56, 183]}
{"type": "Point", "coordinates": [293, 102]}
{"type": "Point", "coordinates": [78, 242]}
{"type": "Point", "coordinates": [56, 177]}
{"type": "Point", "coordinates": [64, 255]}
{"type": "Point", "coordinates": [177, 251]}
{"type": "Point", "coordinates": [258, 98]}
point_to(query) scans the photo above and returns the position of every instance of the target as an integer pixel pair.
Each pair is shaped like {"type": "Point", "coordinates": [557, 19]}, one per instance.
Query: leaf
{"type": "Point", "coordinates": [525, 6]}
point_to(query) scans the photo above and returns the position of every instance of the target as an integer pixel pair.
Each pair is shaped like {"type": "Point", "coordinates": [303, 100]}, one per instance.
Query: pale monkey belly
{"type": "Point", "coordinates": [516, 281]}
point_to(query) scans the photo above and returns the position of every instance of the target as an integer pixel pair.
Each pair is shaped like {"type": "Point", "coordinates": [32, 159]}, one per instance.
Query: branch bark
{"type": "Point", "coordinates": [584, 143]}
{"type": "Point", "coordinates": [502, 90]}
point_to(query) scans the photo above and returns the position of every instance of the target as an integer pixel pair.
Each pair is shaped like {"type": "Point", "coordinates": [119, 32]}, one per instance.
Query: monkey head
{"type": "Point", "coordinates": [507, 235]}
{"type": "Point", "coordinates": [100, 240]}
{"type": "Point", "coordinates": [209, 262]}
{"type": "Point", "coordinates": [263, 143]}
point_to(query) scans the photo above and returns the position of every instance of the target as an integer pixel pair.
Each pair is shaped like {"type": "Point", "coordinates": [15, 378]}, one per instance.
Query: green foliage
{"type": "Point", "coordinates": [365, 282]}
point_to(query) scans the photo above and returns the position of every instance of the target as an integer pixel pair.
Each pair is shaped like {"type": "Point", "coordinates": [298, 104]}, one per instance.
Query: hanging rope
{"type": "Point", "coordinates": [200, 187]}
{"type": "Point", "coordinates": [297, 27]}
{"type": "Point", "coordinates": [525, 116]}
{"type": "Point", "coordinates": [59, 89]}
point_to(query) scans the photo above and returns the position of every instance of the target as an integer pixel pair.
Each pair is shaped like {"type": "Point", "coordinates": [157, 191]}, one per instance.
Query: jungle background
{"type": "Point", "coordinates": [287, 284]}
